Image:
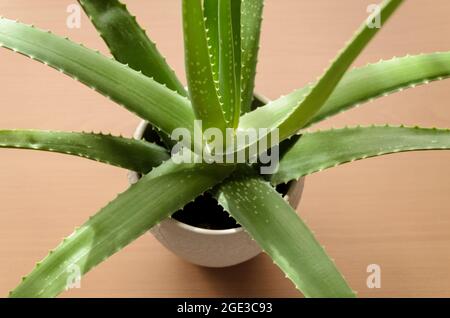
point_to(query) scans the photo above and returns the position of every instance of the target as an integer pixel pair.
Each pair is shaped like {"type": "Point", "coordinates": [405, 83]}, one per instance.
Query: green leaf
{"type": "Point", "coordinates": [384, 77]}
{"type": "Point", "coordinates": [326, 149]}
{"type": "Point", "coordinates": [272, 222]}
{"type": "Point", "coordinates": [128, 42]}
{"type": "Point", "coordinates": [251, 18]}
{"type": "Point", "coordinates": [305, 105]}
{"type": "Point", "coordinates": [230, 60]}
{"type": "Point", "coordinates": [202, 88]}
{"type": "Point", "coordinates": [136, 155]}
{"type": "Point", "coordinates": [123, 220]}
{"type": "Point", "coordinates": [138, 93]}
{"type": "Point", "coordinates": [211, 13]}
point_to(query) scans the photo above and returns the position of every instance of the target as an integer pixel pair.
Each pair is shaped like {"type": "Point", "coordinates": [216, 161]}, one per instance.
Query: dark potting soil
{"type": "Point", "coordinates": [205, 212]}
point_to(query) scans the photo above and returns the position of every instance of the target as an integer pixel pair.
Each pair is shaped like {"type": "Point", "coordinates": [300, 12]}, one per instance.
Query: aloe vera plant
{"type": "Point", "coordinates": [221, 48]}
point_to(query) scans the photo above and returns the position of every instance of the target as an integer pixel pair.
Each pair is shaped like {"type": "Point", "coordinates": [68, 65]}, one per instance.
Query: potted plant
{"type": "Point", "coordinates": [221, 45]}
{"type": "Point", "coordinates": [202, 232]}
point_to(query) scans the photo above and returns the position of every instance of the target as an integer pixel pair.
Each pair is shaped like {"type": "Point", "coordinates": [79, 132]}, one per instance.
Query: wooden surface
{"type": "Point", "coordinates": [392, 211]}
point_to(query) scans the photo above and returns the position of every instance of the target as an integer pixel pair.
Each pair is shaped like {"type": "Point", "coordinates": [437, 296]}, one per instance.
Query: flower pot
{"type": "Point", "coordinates": [206, 247]}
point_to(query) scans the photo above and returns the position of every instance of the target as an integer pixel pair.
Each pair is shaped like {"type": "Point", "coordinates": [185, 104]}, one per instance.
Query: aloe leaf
{"type": "Point", "coordinates": [251, 19]}
{"type": "Point", "coordinates": [230, 60]}
{"type": "Point", "coordinates": [136, 155]}
{"type": "Point", "coordinates": [276, 227]}
{"type": "Point", "coordinates": [305, 105]}
{"type": "Point", "coordinates": [133, 90]}
{"type": "Point", "coordinates": [384, 77]}
{"type": "Point", "coordinates": [128, 42]}
{"type": "Point", "coordinates": [320, 150]}
{"type": "Point", "coordinates": [211, 13]}
{"type": "Point", "coordinates": [123, 220]}
{"type": "Point", "coordinates": [203, 91]}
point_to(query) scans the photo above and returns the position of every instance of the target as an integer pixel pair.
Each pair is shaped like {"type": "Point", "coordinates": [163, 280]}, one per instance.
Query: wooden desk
{"type": "Point", "coordinates": [392, 211]}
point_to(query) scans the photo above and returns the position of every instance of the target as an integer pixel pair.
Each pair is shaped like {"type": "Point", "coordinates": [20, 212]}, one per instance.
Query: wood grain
{"type": "Point", "coordinates": [392, 211]}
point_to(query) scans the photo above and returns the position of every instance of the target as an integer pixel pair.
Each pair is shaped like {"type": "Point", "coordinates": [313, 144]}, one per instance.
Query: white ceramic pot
{"type": "Point", "coordinates": [205, 247]}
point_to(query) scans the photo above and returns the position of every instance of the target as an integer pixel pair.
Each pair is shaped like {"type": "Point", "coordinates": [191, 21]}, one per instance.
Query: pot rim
{"type": "Point", "coordinates": [200, 230]}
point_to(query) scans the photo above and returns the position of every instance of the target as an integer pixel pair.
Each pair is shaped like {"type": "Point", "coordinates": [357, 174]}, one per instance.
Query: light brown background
{"type": "Point", "coordinates": [392, 211]}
